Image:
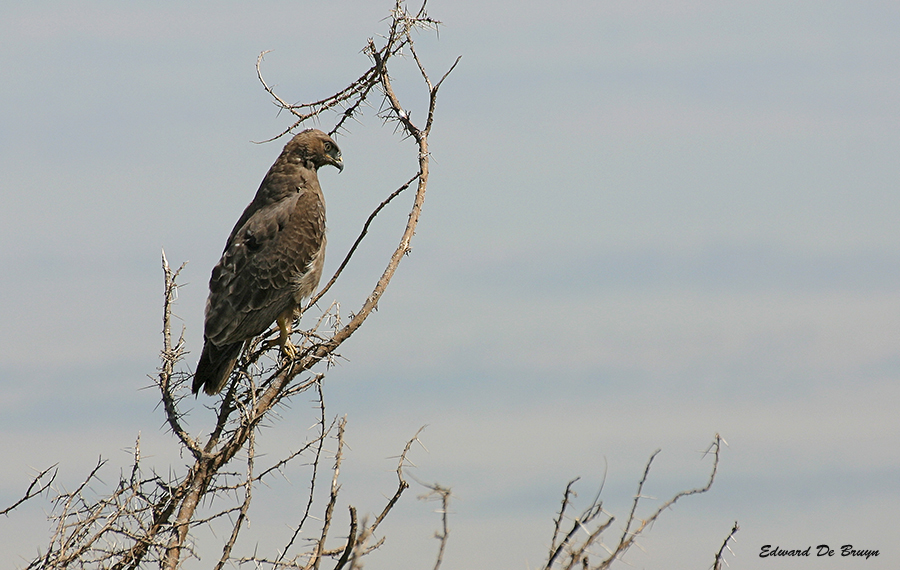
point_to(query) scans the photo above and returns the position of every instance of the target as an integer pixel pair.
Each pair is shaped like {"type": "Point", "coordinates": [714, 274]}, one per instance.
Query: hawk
{"type": "Point", "coordinates": [272, 260]}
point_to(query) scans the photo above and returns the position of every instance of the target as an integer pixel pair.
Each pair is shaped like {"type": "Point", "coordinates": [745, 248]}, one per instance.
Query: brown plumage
{"type": "Point", "coordinates": [272, 260]}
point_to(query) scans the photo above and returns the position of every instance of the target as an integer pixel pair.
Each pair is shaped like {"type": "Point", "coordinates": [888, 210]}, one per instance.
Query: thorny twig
{"type": "Point", "coordinates": [580, 552]}
{"type": "Point", "coordinates": [362, 234]}
{"type": "Point", "coordinates": [353, 97]}
{"type": "Point", "coordinates": [335, 489]}
{"type": "Point", "coordinates": [170, 355]}
{"type": "Point", "coordinates": [36, 487]}
{"type": "Point", "coordinates": [720, 560]}
{"type": "Point", "coordinates": [442, 494]}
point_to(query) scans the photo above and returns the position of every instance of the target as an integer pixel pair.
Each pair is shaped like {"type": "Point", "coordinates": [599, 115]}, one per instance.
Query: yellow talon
{"type": "Point", "coordinates": [289, 349]}
{"type": "Point", "coordinates": [284, 338]}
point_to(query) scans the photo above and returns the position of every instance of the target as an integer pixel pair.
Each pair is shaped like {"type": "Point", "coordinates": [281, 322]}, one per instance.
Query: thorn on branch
{"type": "Point", "coordinates": [38, 485]}
{"type": "Point", "coordinates": [720, 560]}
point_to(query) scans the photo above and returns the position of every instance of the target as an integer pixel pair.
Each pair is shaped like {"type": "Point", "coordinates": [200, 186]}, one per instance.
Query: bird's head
{"type": "Point", "coordinates": [315, 147]}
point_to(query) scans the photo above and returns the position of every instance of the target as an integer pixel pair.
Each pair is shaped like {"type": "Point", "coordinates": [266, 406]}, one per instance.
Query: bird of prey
{"type": "Point", "coordinates": [272, 260]}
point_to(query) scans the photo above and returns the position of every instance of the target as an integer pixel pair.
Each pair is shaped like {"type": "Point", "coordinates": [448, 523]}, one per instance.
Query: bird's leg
{"type": "Point", "coordinates": [284, 337]}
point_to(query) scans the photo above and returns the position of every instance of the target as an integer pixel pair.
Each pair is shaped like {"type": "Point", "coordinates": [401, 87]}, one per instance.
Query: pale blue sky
{"type": "Point", "coordinates": [648, 222]}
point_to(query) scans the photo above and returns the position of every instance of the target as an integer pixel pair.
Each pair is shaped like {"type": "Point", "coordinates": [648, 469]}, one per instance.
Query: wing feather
{"type": "Point", "coordinates": [259, 275]}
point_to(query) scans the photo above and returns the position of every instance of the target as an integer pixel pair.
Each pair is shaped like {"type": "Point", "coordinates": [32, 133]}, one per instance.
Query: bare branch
{"type": "Point", "coordinates": [170, 355]}
{"type": "Point", "coordinates": [335, 488]}
{"type": "Point", "coordinates": [36, 487]}
{"type": "Point", "coordinates": [362, 234]}
{"type": "Point", "coordinates": [351, 541]}
{"type": "Point", "coordinates": [443, 495]}
{"type": "Point", "coordinates": [242, 515]}
{"type": "Point", "coordinates": [320, 440]}
{"type": "Point", "coordinates": [569, 552]}
{"type": "Point", "coordinates": [567, 495]}
{"type": "Point", "coordinates": [720, 560]}
{"type": "Point", "coordinates": [402, 484]}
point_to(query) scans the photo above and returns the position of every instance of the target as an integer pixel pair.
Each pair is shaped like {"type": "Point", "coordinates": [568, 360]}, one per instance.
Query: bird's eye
{"type": "Point", "coordinates": [327, 146]}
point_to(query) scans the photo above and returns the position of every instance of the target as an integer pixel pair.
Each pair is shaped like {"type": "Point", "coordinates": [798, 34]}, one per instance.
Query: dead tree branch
{"type": "Point", "coordinates": [720, 560]}
{"type": "Point", "coordinates": [38, 485]}
{"type": "Point", "coordinates": [442, 494]}
{"type": "Point", "coordinates": [594, 521]}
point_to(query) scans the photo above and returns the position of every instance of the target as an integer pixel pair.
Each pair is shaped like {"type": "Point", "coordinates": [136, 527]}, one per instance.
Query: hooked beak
{"type": "Point", "coordinates": [338, 163]}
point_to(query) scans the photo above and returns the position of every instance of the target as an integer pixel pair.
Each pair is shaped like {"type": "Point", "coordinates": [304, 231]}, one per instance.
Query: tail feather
{"type": "Point", "coordinates": [215, 366]}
